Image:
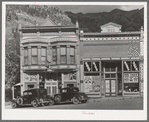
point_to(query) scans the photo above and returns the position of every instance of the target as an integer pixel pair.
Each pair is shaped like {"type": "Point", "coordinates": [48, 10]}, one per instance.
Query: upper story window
{"type": "Point", "coordinates": [93, 66]}
{"type": "Point", "coordinates": [72, 55]}
{"type": "Point", "coordinates": [34, 55]}
{"type": "Point", "coordinates": [25, 56]}
{"type": "Point", "coordinates": [63, 59]}
{"type": "Point", "coordinates": [131, 65]}
{"type": "Point", "coordinates": [54, 55]}
{"type": "Point", "coordinates": [43, 55]}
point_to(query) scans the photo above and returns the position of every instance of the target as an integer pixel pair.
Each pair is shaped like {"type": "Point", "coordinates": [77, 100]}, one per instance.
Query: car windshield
{"type": "Point", "coordinates": [64, 91]}
{"type": "Point", "coordinates": [75, 90]}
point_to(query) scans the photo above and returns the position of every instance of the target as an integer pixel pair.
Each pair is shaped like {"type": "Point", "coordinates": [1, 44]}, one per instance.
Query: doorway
{"type": "Point", "coordinates": [70, 85]}
{"type": "Point", "coordinates": [110, 87]}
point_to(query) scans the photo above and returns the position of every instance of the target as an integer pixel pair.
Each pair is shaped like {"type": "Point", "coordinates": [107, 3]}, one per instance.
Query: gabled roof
{"type": "Point", "coordinates": [48, 22]}
{"type": "Point", "coordinates": [111, 23]}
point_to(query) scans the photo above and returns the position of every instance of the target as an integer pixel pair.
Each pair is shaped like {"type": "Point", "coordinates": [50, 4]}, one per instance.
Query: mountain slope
{"type": "Point", "coordinates": [91, 22]}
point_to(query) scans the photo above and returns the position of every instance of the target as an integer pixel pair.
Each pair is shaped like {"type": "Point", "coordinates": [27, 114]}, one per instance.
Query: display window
{"type": "Point", "coordinates": [131, 82]}
{"type": "Point", "coordinates": [69, 76]}
{"type": "Point", "coordinates": [30, 77]}
{"type": "Point", "coordinates": [92, 84]}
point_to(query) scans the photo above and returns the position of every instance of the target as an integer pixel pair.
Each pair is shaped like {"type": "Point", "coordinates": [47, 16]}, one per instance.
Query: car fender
{"type": "Point", "coordinates": [76, 95]}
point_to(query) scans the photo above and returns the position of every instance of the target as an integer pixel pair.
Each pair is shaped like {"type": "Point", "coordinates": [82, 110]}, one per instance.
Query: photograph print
{"type": "Point", "coordinates": [86, 59]}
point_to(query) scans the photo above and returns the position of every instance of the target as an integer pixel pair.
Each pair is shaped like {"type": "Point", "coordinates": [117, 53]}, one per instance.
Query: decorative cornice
{"type": "Point", "coordinates": [110, 38]}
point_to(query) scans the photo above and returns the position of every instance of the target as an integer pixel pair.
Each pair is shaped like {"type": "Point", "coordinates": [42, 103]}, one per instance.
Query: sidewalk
{"type": "Point", "coordinates": [92, 99]}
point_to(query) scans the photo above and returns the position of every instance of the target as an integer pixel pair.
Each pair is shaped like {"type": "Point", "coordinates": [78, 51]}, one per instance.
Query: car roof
{"type": "Point", "coordinates": [34, 89]}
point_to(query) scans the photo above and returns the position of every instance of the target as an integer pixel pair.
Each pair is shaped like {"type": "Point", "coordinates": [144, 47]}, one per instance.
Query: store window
{"type": "Point", "coordinates": [34, 55]}
{"type": "Point", "coordinates": [63, 59]}
{"type": "Point", "coordinates": [69, 76]}
{"type": "Point", "coordinates": [54, 55]}
{"type": "Point", "coordinates": [25, 56]}
{"type": "Point", "coordinates": [131, 65]}
{"type": "Point", "coordinates": [131, 83]}
{"type": "Point", "coordinates": [43, 55]}
{"type": "Point", "coordinates": [72, 55]}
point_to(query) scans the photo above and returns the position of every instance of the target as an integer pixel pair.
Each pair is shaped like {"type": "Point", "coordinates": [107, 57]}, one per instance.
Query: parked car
{"type": "Point", "coordinates": [71, 94]}
{"type": "Point", "coordinates": [34, 97]}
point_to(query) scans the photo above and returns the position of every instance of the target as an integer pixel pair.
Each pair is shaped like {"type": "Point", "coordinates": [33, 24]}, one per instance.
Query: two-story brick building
{"type": "Point", "coordinates": [100, 64]}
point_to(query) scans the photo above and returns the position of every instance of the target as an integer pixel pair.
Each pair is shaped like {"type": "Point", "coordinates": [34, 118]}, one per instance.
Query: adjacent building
{"type": "Point", "coordinates": [103, 64]}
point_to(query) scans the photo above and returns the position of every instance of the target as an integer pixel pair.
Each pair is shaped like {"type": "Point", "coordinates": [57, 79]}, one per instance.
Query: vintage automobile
{"type": "Point", "coordinates": [70, 94]}
{"type": "Point", "coordinates": [34, 97]}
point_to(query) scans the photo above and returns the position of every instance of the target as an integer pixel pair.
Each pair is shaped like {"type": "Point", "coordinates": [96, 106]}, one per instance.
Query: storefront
{"type": "Point", "coordinates": [111, 62]}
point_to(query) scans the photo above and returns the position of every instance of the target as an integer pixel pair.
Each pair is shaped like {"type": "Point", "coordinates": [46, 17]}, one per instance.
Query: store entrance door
{"type": "Point", "coordinates": [110, 88]}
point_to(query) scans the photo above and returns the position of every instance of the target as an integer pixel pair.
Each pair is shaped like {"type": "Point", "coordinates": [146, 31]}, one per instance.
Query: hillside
{"type": "Point", "coordinates": [91, 22]}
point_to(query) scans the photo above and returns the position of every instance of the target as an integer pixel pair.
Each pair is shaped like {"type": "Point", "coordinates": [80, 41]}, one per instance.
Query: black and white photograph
{"type": "Point", "coordinates": [74, 60]}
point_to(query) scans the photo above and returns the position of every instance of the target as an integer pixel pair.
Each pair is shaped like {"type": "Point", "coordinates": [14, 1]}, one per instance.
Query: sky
{"type": "Point", "coordinates": [97, 8]}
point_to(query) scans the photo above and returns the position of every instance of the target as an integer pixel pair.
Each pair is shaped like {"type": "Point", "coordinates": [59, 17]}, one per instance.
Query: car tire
{"type": "Point", "coordinates": [13, 104]}
{"type": "Point", "coordinates": [34, 103]}
{"type": "Point", "coordinates": [75, 100]}
{"type": "Point", "coordinates": [51, 103]}
{"type": "Point", "coordinates": [57, 99]}
{"type": "Point", "coordinates": [84, 101]}
{"type": "Point", "coordinates": [19, 101]}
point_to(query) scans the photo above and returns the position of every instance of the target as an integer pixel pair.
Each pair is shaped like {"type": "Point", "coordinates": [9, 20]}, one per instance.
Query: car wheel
{"type": "Point", "coordinates": [34, 103]}
{"type": "Point", "coordinates": [57, 99]}
{"type": "Point", "coordinates": [75, 100]}
{"type": "Point", "coordinates": [51, 103]}
{"type": "Point", "coordinates": [84, 101]}
{"type": "Point", "coordinates": [13, 104]}
{"type": "Point", "coordinates": [19, 101]}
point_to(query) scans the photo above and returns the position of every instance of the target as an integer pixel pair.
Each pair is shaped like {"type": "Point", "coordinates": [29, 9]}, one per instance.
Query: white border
{"type": "Point", "coordinates": [14, 114]}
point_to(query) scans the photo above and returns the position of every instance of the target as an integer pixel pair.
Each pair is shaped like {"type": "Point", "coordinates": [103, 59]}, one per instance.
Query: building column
{"type": "Point", "coordinates": [122, 78]}
{"type": "Point", "coordinates": [29, 55]}
{"type": "Point", "coordinates": [62, 80]}
{"type": "Point", "coordinates": [81, 76]}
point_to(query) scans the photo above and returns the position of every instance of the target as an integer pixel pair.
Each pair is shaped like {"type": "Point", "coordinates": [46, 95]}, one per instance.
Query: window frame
{"type": "Point", "coordinates": [72, 47]}
{"type": "Point", "coordinates": [63, 55]}
{"type": "Point", "coordinates": [44, 55]}
{"type": "Point", "coordinates": [25, 56]}
{"type": "Point", "coordinates": [34, 55]}
{"type": "Point", "coordinates": [54, 47]}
